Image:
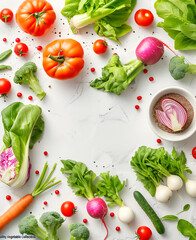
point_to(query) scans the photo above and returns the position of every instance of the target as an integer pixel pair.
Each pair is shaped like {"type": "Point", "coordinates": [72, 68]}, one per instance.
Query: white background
{"type": "Point", "coordinates": [100, 129]}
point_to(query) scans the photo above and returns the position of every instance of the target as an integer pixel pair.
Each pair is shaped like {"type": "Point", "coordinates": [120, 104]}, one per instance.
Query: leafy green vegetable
{"type": "Point", "coordinates": [151, 165]}
{"type": "Point", "coordinates": [29, 225]}
{"type": "Point", "coordinates": [109, 16]}
{"type": "Point", "coordinates": [179, 21]}
{"type": "Point", "coordinates": [178, 68]}
{"type": "Point", "coordinates": [110, 186]}
{"type": "Point", "coordinates": [187, 229]}
{"type": "Point", "coordinates": [170, 217]}
{"type": "Point", "coordinates": [51, 221]}
{"type": "Point", "coordinates": [79, 231]}
{"type": "Point", "coordinates": [23, 126]}
{"type": "Point", "coordinates": [117, 77]}
{"type": "Point", "coordinates": [79, 178]}
{"type": "Point", "coordinates": [185, 208]}
{"type": "Point", "coordinates": [26, 74]}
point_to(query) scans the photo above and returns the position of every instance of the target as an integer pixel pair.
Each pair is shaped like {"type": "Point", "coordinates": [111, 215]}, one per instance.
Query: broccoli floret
{"type": "Point", "coordinates": [51, 222]}
{"type": "Point", "coordinates": [178, 68]}
{"type": "Point", "coordinates": [29, 225]}
{"type": "Point", "coordinates": [26, 74]}
{"type": "Point", "coordinates": [78, 231]}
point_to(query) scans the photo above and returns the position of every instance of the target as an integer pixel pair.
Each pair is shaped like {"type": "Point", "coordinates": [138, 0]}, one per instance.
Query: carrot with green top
{"type": "Point", "coordinates": [21, 205]}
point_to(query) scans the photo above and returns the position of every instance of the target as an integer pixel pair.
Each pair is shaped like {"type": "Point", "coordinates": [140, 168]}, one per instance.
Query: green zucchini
{"type": "Point", "coordinates": [149, 211]}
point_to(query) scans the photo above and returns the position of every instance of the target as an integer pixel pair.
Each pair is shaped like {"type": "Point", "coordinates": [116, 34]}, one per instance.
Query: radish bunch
{"type": "Point", "coordinates": [153, 165]}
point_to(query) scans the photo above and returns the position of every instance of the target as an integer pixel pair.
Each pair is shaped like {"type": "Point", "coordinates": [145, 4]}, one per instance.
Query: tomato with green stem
{"type": "Point", "coordinates": [144, 233]}
{"type": "Point", "coordinates": [68, 209]}
{"type": "Point", "coordinates": [144, 17]}
{"type": "Point", "coordinates": [6, 15]}
{"type": "Point", "coordinates": [5, 86]}
{"type": "Point", "coordinates": [21, 49]}
{"type": "Point", "coordinates": [100, 46]}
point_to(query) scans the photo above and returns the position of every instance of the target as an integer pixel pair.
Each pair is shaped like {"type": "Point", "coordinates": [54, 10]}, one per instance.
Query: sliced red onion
{"type": "Point", "coordinates": [174, 115]}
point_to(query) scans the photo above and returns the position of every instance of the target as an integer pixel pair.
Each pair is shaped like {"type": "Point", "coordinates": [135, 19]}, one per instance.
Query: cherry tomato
{"type": "Point", "coordinates": [5, 86]}
{"type": "Point", "coordinates": [100, 46]}
{"type": "Point", "coordinates": [144, 17]}
{"type": "Point", "coordinates": [6, 15]}
{"type": "Point", "coordinates": [21, 49]}
{"type": "Point", "coordinates": [144, 233]}
{"type": "Point", "coordinates": [194, 152]}
{"type": "Point", "coordinates": [68, 209]}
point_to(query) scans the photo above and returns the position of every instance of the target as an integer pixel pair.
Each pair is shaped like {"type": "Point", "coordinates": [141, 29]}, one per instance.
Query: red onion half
{"type": "Point", "coordinates": [174, 115]}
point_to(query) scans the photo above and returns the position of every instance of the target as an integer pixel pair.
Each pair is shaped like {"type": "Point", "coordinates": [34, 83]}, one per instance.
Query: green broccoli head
{"type": "Point", "coordinates": [29, 225]}
{"type": "Point", "coordinates": [79, 231]}
{"type": "Point", "coordinates": [178, 68]}
{"type": "Point", "coordinates": [26, 74]}
{"type": "Point", "coordinates": [51, 222]}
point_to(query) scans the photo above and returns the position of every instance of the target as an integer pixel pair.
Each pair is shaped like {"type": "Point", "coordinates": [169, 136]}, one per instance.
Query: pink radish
{"type": "Point", "coordinates": [97, 208]}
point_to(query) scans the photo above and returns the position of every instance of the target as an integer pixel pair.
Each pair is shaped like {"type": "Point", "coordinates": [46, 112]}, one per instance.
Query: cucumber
{"type": "Point", "coordinates": [149, 211]}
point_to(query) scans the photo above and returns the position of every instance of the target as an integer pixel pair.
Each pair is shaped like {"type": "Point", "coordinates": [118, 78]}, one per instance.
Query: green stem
{"type": "Point", "coordinates": [192, 69]}
{"type": "Point", "coordinates": [59, 59]}
{"type": "Point", "coordinates": [35, 87]}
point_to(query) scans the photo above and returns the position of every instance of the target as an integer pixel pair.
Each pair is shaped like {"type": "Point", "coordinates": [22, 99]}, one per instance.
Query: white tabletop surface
{"type": "Point", "coordinates": [100, 129]}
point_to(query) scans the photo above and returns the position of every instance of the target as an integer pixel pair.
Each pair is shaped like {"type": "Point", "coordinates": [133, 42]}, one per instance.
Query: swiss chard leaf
{"type": "Point", "coordinates": [79, 178]}
{"type": "Point", "coordinates": [110, 186]}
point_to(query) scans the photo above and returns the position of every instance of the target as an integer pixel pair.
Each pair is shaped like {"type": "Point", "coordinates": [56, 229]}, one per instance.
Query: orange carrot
{"type": "Point", "coordinates": [21, 205]}
{"type": "Point", "coordinates": [15, 210]}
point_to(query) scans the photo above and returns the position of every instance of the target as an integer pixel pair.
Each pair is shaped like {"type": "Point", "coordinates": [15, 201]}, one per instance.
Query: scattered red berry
{"type": "Point", "coordinates": [30, 98]}
{"type": "Point", "coordinates": [37, 172]}
{"type": "Point", "coordinates": [159, 141]}
{"type": "Point", "coordinates": [19, 94]}
{"type": "Point", "coordinates": [115, 54]}
{"type": "Point", "coordinates": [137, 107]}
{"type": "Point", "coordinates": [117, 229]}
{"type": "Point", "coordinates": [139, 98]}
{"type": "Point", "coordinates": [45, 153]}
{"type": "Point", "coordinates": [17, 40]}
{"type": "Point", "coordinates": [39, 48]}
{"type": "Point", "coordinates": [8, 197]}
{"type": "Point", "coordinates": [45, 203]}
{"type": "Point", "coordinates": [145, 70]}
{"type": "Point", "coordinates": [57, 192]}
{"type": "Point", "coordinates": [4, 39]}
{"type": "Point", "coordinates": [194, 152]}
{"type": "Point", "coordinates": [85, 220]}
{"type": "Point", "coordinates": [112, 214]}
{"type": "Point", "coordinates": [151, 79]}
{"type": "Point", "coordinates": [92, 69]}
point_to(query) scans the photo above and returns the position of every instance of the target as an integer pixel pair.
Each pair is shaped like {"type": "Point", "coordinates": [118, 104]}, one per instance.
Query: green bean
{"type": "Point", "coordinates": [5, 54]}
{"type": "Point", "coordinates": [2, 67]}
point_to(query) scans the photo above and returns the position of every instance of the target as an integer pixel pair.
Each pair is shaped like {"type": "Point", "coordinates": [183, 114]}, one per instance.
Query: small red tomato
{"type": "Point", "coordinates": [194, 152]}
{"type": "Point", "coordinates": [6, 15]}
{"type": "Point", "coordinates": [8, 197]}
{"type": "Point", "coordinates": [144, 17]}
{"type": "Point", "coordinates": [5, 86]}
{"type": "Point", "coordinates": [21, 49]}
{"type": "Point", "coordinates": [68, 209]}
{"type": "Point", "coordinates": [144, 233]}
{"type": "Point", "coordinates": [100, 46]}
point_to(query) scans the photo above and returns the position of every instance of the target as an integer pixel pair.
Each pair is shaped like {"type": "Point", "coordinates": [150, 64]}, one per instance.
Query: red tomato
{"type": "Point", "coordinates": [144, 233]}
{"type": "Point", "coordinates": [68, 209]}
{"type": "Point", "coordinates": [21, 49]}
{"type": "Point", "coordinates": [144, 17]}
{"type": "Point", "coordinates": [6, 15]}
{"type": "Point", "coordinates": [5, 86]}
{"type": "Point", "coordinates": [100, 46]}
{"type": "Point", "coordinates": [194, 152]}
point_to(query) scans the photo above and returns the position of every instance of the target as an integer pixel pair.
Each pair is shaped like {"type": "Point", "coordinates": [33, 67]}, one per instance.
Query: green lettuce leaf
{"type": "Point", "coordinates": [116, 77]}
